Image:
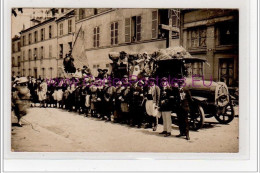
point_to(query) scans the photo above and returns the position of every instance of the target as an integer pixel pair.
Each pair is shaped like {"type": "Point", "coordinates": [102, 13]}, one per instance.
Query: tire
{"type": "Point", "coordinates": [197, 118]}
{"type": "Point", "coordinates": [226, 115]}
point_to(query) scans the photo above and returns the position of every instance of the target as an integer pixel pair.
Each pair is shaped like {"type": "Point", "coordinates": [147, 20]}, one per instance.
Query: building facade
{"type": "Point", "coordinates": [40, 51]}
{"type": "Point", "coordinates": [129, 30]}
{"type": "Point", "coordinates": [213, 34]}
{"type": "Point", "coordinates": [16, 56]}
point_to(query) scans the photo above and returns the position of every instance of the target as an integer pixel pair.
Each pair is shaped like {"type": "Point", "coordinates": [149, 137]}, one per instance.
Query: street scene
{"type": "Point", "coordinates": [125, 80]}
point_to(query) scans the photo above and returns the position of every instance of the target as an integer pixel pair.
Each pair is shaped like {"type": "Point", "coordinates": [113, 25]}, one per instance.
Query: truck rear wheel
{"type": "Point", "coordinates": [197, 118]}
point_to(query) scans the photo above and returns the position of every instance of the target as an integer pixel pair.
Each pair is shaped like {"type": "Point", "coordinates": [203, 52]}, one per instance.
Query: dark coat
{"type": "Point", "coordinates": [166, 99]}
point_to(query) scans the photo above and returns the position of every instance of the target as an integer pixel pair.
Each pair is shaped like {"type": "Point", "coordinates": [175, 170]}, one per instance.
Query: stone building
{"type": "Point", "coordinates": [213, 34]}
{"type": "Point", "coordinates": [41, 45]}
{"type": "Point", "coordinates": [16, 55]}
{"type": "Point", "coordinates": [130, 30]}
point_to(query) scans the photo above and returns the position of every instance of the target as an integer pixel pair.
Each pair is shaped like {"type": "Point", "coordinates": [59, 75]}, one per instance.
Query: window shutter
{"type": "Point", "coordinates": [94, 38]}
{"type": "Point", "coordinates": [127, 30]}
{"type": "Point", "coordinates": [138, 27]}
{"type": "Point", "coordinates": [116, 32]}
{"type": "Point", "coordinates": [112, 33]}
{"type": "Point", "coordinates": [97, 36]}
{"type": "Point", "coordinates": [154, 24]}
{"type": "Point", "coordinates": [43, 52]}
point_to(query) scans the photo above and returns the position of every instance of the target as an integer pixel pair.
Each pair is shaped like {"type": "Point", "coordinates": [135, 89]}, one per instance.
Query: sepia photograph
{"type": "Point", "coordinates": [125, 80]}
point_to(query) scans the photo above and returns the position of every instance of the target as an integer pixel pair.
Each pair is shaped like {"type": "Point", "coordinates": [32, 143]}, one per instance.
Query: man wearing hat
{"type": "Point", "coordinates": [165, 106]}
{"type": "Point", "coordinates": [184, 110]}
{"type": "Point", "coordinates": [152, 103]}
{"type": "Point", "coordinates": [20, 98]}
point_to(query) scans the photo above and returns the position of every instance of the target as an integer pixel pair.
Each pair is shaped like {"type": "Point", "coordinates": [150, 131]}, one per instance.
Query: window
{"type": "Point", "coordinates": [107, 65]}
{"type": "Point", "coordinates": [133, 29]}
{"type": "Point", "coordinates": [42, 53]}
{"type": "Point", "coordinates": [19, 61]}
{"type": "Point", "coordinates": [70, 45]}
{"type": "Point", "coordinates": [50, 31]}
{"type": "Point", "coordinates": [23, 56]}
{"type": "Point", "coordinates": [35, 53]}
{"type": "Point", "coordinates": [228, 33]}
{"type": "Point", "coordinates": [35, 36]}
{"type": "Point", "coordinates": [42, 34]}
{"type": "Point", "coordinates": [50, 51]}
{"type": "Point", "coordinates": [81, 14]}
{"type": "Point", "coordinates": [30, 38]}
{"type": "Point", "coordinates": [69, 26]}
{"type": "Point", "coordinates": [19, 46]}
{"type": "Point", "coordinates": [61, 50]}
{"type": "Point", "coordinates": [30, 73]}
{"type": "Point", "coordinates": [24, 40]}
{"type": "Point", "coordinates": [198, 37]}
{"type": "Point", "coordinates": [96, 37]}
{"type": "Point", "coordinates": [226, 70]}
{"type": "Point", "coordinates": [114, 33]}
{"type": "Point", "coordinates": [61, 29]}
{"type": "Point", "coordinates": [94, 66]}
{"type": "Point", "coordinates": [30, 54]}
{"type": "Point", "coordinates": [35, 73]}
{"type": "Point", "coordinates": [95, 11]}
{"type": "Point", "coordinates": [43, 73]}
{"type": "Point", "coordinates": [154, 24]}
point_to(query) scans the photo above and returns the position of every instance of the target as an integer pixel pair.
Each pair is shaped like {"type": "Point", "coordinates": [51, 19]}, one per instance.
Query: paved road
{"type": "Point", "coordinates": [50, 129]}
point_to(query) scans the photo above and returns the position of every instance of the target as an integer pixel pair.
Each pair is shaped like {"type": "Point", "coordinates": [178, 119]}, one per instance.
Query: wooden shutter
{"type": "Point", "coordinates": [112, 33]}
{"type": "Point", "coordinates": [138, 27]}
{"type": "Point", "coordinates": [116, 32]}
{"type": "Point", "coordinates": [94, 37]}
{"type": "Point", "coordinates": [127, 30]}
{"type": "Point", "coordinates": [154, 24]}
{"type": "Point", "coordinates": [98, 37]}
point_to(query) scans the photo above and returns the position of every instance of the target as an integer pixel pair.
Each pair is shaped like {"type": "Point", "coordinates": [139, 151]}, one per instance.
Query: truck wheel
{"type": "Point", "coordinates": [197, 118]}
{"type": "Point", "coordinates": [226, 114]}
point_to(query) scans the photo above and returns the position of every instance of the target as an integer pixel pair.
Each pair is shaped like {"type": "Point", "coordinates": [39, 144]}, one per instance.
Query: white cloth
{"type": "Point", "coordinates": [167, 121]}
{"type": "Point", "coordinates": [87, 103]}
{"type": "Point", "coordinates": [78, 74]}
{"type": "Point", "coordinates": [150, 108]}
{"type": "Point", "coordinates": [42, 92]}
{"type": "Point", "coordinates": [59, 95]}
{"type": "Point", "coordinates": [54, 95]}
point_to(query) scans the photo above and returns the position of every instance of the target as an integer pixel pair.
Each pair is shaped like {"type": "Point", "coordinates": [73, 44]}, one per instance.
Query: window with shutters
{"type": "Point", "coordinates": [133, 29]}
{"type": "Point", "coordinates": [69, 26]}
{"type": "Point", "coordinates": [114, 33]}
{"type": "Point", "coordinates": [154, 24]}
{"type": "Point", "coordinates": [61, 29]}
{"type": "Point", "coordinates": [61, 50]}
{"type": "Point", "coordinates": [96, 37]}
{"type": "Point", "coordinates": [127, 30]}
{"type": "Point", "coordinates": [19, 46]}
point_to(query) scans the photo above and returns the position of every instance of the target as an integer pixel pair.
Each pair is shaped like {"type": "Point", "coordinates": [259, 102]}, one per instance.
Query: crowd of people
{"type": "Point", "coordinates": [138, 103]}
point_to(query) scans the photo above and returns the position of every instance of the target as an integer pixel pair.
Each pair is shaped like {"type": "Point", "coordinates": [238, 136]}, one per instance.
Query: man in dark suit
{"type": "Point", "coordinates": [184, 111]}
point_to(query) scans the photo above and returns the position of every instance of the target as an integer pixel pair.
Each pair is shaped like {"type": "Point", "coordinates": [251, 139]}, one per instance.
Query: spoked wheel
{"type": "Point", "coordinates": [197, 118]}
{"type": "Point", "coordinates": [226, 114]}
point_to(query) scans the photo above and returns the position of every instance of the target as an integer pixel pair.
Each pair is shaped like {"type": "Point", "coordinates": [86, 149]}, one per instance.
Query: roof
{"type": "Point", "coordinates": [40, 24]}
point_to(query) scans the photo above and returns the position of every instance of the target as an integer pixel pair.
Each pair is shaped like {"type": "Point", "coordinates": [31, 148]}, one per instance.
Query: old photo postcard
{"type": "Point", "coordinates": [125, 80]}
